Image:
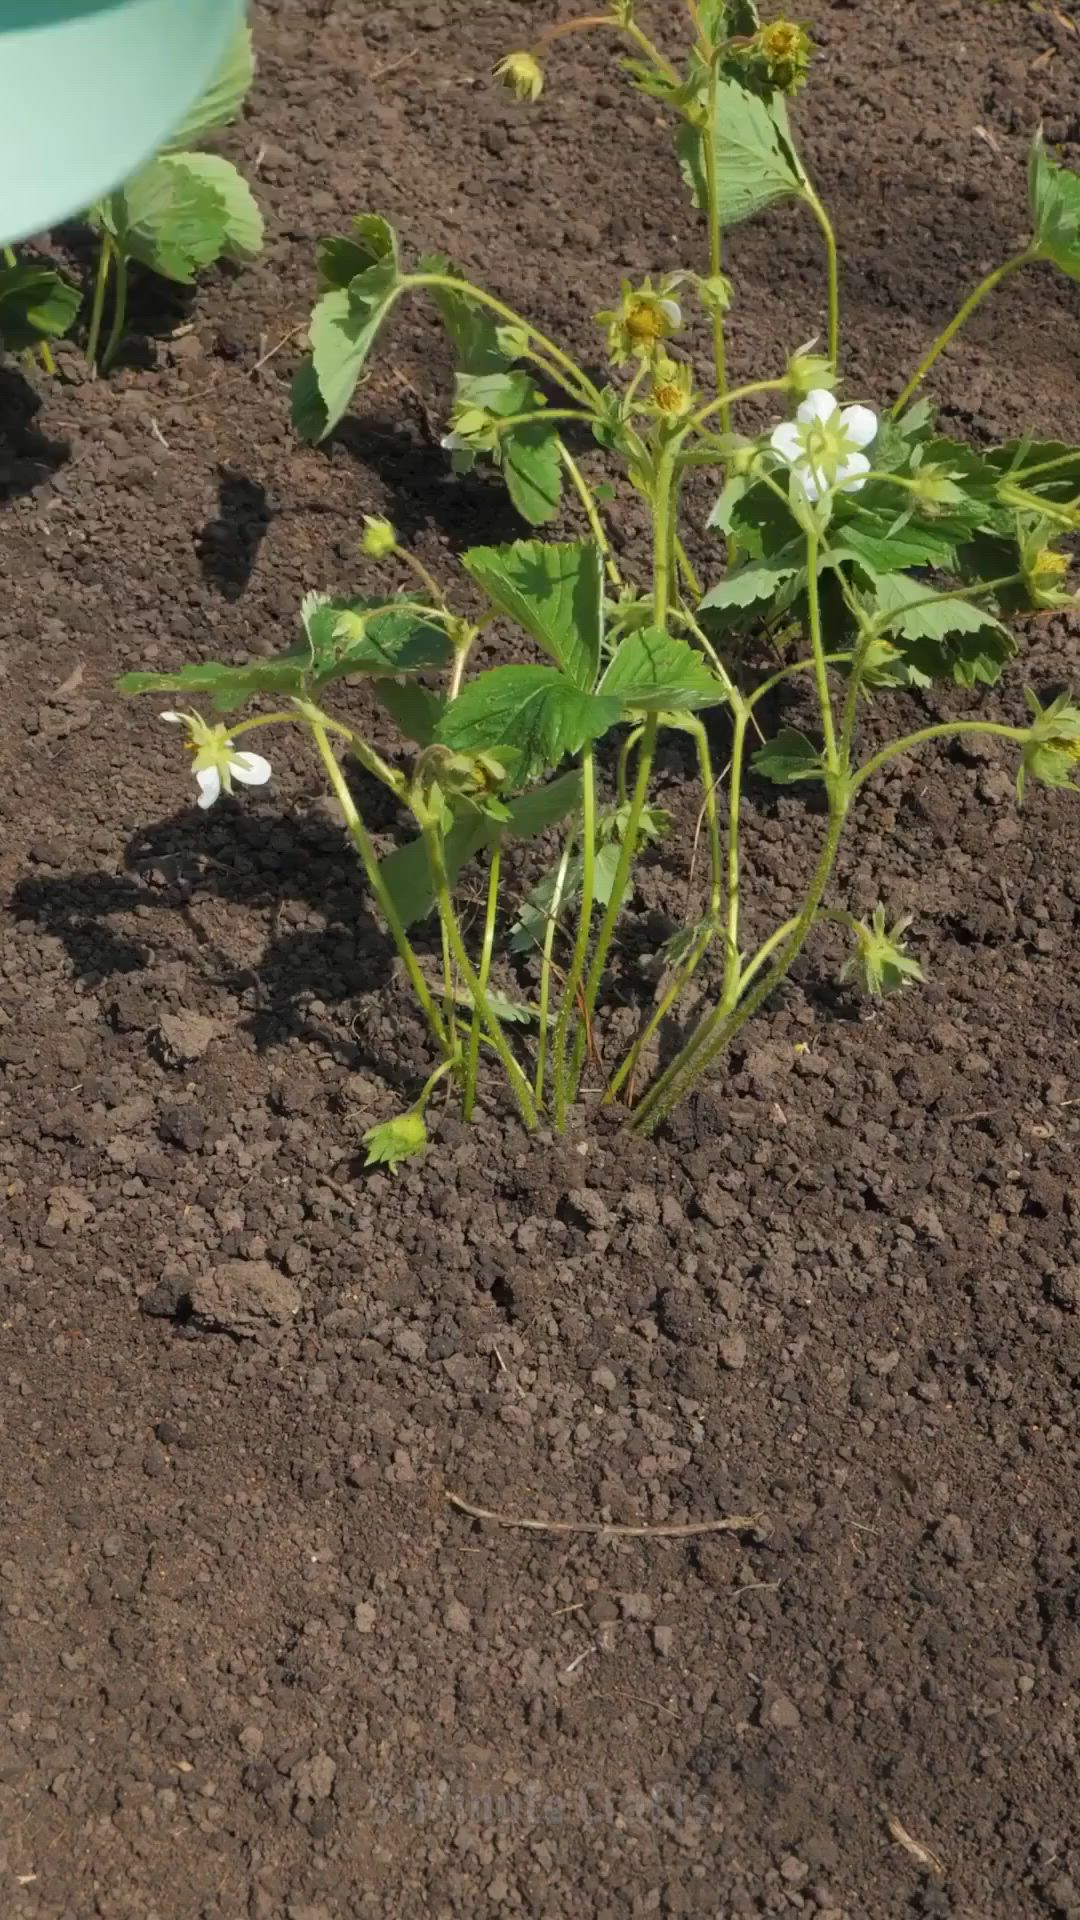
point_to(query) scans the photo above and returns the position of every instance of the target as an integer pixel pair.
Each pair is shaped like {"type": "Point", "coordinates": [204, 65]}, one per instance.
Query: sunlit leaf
{"type": "Point", "coordinates": [653, 672]}
{"type": "Point", "coordinates": [536, 710]}
{"type": "Point", "coordinates": [555, 590]}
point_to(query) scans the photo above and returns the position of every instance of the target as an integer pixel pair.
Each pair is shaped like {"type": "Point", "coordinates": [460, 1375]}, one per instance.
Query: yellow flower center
{"type": "Point", "coordinates": [783, 40]}
{"type": "Point", "coordinates": [1050, 565]}
{"type": "Point", "coordinates": [644, 321]}
{"type": "Point", "coordinates": [669, 398]}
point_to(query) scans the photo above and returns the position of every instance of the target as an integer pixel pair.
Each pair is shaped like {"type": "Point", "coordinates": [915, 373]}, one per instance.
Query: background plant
{"type": "Point", "coordinates": [181, 212]}
{"type": "Point", "coordinates": [36, 305]}
{"type": "Point", "coordinates": [858, 551]}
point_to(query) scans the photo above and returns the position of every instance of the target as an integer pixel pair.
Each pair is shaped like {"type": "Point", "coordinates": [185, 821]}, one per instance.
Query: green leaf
{"type": "Point", "coordinates": [762, 525]}
{"type": "Point", "coordinates": [35, 304]}
{"type": "Point", "coordinates": [755, 161]}
{"type": "Point", "coordinates": [555, 590]}
{"type": "Point", "coordinates": [1012, 461]}
{"type": "Point", "coordinates": [536, 710]}
{"type": "Point", "coordinates": [532, 469]}
{"type": "Point", "coordinates": [755, 585]}
{"type": "Point", "coordinates": [227, 687]}
{"type": "Point", "coordinates": [890, 539]}
{"type": "Point", "coordinates": [369, 634]}
{"type": "Point", "coordinates": [473, 330]}
{"type": "Point", "coordinates": [789, 757]}
{"type": "Point", "coordinates": [244, 232]}
{"type": "Point", "coordinates": [1055, 208]}
{"type": "Point", "coordinates": [396, 1140]}
{"type": "Point", "coordinates": [512, 1012]}
{"type": "Point", "coordinates": [530, 927]}
{"type": "Point", "coordinates": [342, 258]}
{"type": "Point", "coordinates": [343, 329]}
{"type": "Point", "coordinates": [652, 672]}
{"type": "Point", "coordinates": [406, 872]}
{"type": "Point", "coordinates": [169, 219]}
{"type": "Point", "coordinates": [940, 637]}
{"type": "Point", "coordinates": [224, 97]}
{"type": "Point", "coordinates": [413, 708]}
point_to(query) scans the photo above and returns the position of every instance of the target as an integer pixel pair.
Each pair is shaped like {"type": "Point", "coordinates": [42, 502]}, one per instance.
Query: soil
{"type": "Point", "coordinates": [253, 1661]}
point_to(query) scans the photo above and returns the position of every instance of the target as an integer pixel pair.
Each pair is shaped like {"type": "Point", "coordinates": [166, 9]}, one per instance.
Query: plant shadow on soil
{"type": "Point", "coordinates": [28, 457]}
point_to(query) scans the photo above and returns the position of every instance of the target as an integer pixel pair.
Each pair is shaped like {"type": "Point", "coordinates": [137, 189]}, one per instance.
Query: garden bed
{"type": "Point", "coordinates": [253, 1661]}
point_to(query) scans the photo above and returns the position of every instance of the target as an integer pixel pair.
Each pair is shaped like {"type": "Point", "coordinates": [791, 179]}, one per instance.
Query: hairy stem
{"type": "Point", "coordinates": [592, 513]}
{"type": "Point", "coordinates": [370, 863]}
{"type": "Point", "coordinates": [570, 374]}
{"type": "Point", "coordinates": [716, 245]}
{"type": "Point", "coordinates": [943, 730]}
{"type": "Point", "coordinates": [119, 319]}
{"type": "Point", "coordinates": [472, 1058]}
{"type": "Point", "coordinates": [97, 310]}
{"type": "Point", "coordinates": [821, 671]}
{"type": "Point", "coordinates": [478, 993]}
{"type": "Point", "coordinates": [550, 931]}
{"type": "Point", "coordinates": [960, 318]}
{"type": "Point", "coordinates": [572, 986]}
{"type": "Point", "coordinates": [832, 267]}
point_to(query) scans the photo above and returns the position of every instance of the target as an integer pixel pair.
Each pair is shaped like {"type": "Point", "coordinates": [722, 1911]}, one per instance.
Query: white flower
{"type": "Point", "coordinates": [824, 444]}
{"type": "Point", "coordinates": [217, 761]}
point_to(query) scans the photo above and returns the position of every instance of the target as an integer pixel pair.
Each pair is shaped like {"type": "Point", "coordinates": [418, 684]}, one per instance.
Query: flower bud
{"type": "Point", "coordinates": [522, 74]}
{"type": "Point", "coordinates": [779, 54]}
{"type": "Point", "coordinates": [378, 539]}
{"type": "Point", "coordinates": [716, 293]}
{"type": "Point", "coordinates": [809, 372]}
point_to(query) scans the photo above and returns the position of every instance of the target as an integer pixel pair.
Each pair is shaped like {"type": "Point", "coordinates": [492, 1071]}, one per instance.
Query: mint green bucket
{"type": "Point", "coordinates": [91, 88]}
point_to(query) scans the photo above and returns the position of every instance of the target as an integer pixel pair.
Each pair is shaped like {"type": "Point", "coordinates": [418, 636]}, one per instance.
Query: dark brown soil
{"type": "Point", "coordinates": [252, 1662]}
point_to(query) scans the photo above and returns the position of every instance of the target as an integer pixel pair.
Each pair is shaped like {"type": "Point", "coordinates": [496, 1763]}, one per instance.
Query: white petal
{"type": "Point", "coordinates": [860, 425]}
{"type": "Point", "coordinates": [787, 442]}
{"type": "Point", "coordinates": [453, 442]}
{"type": "Point", "coordinates": [850, 473]}
{"type": "Point", "coordinates": [175, 719]}
{"type": "Point", "coordinates": [250, 769]}
{"type": "Point", "coordinates": [818, 406]}
{"type": "Point", "coordinates": [209, 780]}
{"type": "Point", "coordinates": [672, 312]}
{"type": "Point", "coordinates": [811, 480]}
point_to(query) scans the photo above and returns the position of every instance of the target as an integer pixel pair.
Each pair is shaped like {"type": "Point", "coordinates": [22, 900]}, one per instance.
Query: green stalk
{"type": "Point", "coordinates": [550, 931]}
{"type": "Point", "coordinates": [571, 987]}
{"type": "Point", "coordinates": [478, 993]}
{"type": "Point", "coordinates": [720, 1027]}
{"type": "Point", "coordinates": [662, 584]}
{"type": "Point", "coordinates": [472, 1059]}
{"type": "Point", "coordinates": [716, 243]}
{"type": "Point", "coordinates": [960, 318]}
{"type": "Point", "coordinates": [119, 320]}
{"type": "Point", "coordinates": [97, 311]}
{"type": "Point", "coordinates": [571, 375]}
{"type": "Point", "coordinates": [943, 730]}
{"type": "Point", "coordinates": [369, 860]}
{"type": "Point", "coordinates": [592, 513]}
{"type": "Point", "coordinates": [701, 945]}
{"type": "Point", "coordinates": [832, 265]}
{"type": "Point", "coordinates": [731, 951]}
{"type": "Point", "coordinates": [821, 671]}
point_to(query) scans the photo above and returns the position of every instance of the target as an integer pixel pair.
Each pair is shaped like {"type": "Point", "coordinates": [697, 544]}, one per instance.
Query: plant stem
{"type": "Point", "coordinates": [716, 243]}
{"type": "Point", "coordinates": [550, 931]}
{"type": "Point", "coordinates": [832, 265]}
{"type": "Point", "coordinates": [736, 393]}
{"type": "Point", "coordinates": [472, 1059]}
{"type": "Point", "coordinates": [943, 730]}
{"type": "Point", "coordinates": [119, 320]}
{"type": "Point", "coordinates": [592, 513]}
{"type": "Point", "coordinates": [686, 569]}
{"type": "Point", "coordinates": [821, 671]}
{"type": "Point", "coordinates": [767, 948]}
{"type": "Point", "coordinates": [964, 313]}
{"type": "Point", "coordinates": [720, 1026]}
{"type": "Point", "coordinates": [441, 884]}
{"type": "Point", "coordinates": [101, 281]}
{"type": "Point", "coordinates": [659, 60]}
{"type": "Point", "coordinates": [731, 943]}
{"type": "Point", "coordinates": [785, 673]}
{"type": "Point", "coordinates": [572, 985]}
{"type": "Point", "coordinates": [1018, 474]}
{"type": "Point", "coordinates": [426, 578]}
{"type": "Point", "coordinates": [571, 375]}
{"type": "Point", "coordinates": [701, 945]}
{"type": "Point", "coordinates": [627, 748]}
{"type": "Point", "coordinates": [369, 861]}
